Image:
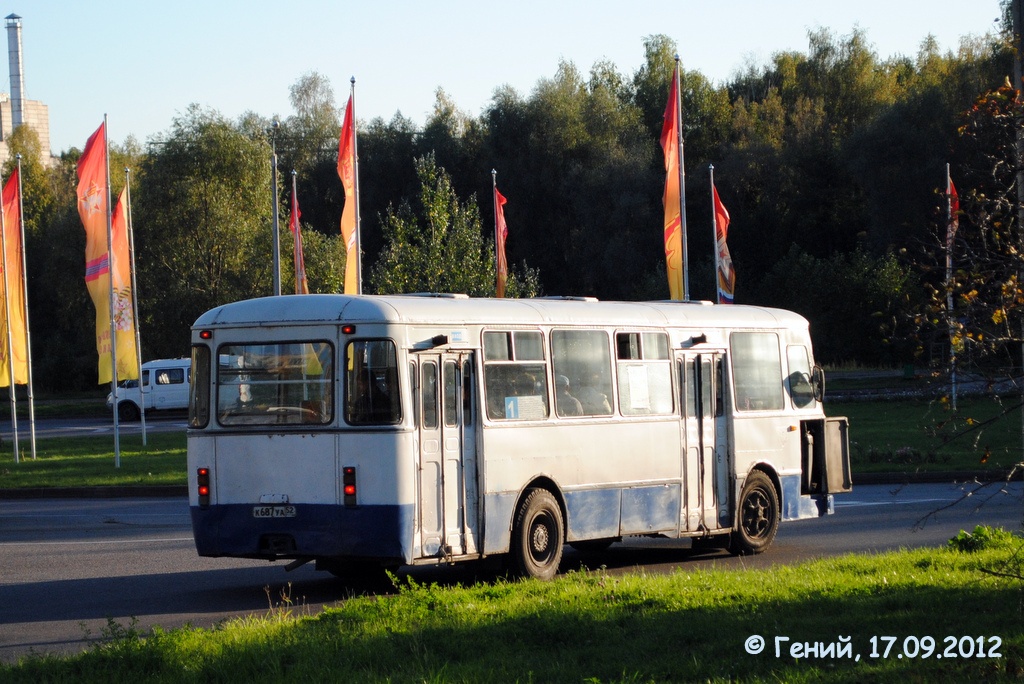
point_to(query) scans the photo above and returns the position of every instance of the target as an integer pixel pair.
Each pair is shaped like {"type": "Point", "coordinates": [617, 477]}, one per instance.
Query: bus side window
{"type": "Point", "coordinates": [644, 373]}
{"type": "Point", "coordinates": [757, 371]}
{"type": "Point", "coordinates": [583, 358]}
{"type": "Point", "coordinates": [515, 375]}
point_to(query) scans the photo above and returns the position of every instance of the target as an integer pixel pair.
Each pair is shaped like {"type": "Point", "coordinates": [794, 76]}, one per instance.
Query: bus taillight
{"type": "Point", "coordinates": [348, 481]}
{"type": "Point", "coordinates": [203, 485]}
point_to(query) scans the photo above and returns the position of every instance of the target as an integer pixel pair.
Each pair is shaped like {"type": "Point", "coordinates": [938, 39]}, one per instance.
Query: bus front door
{"type": "Point", "coordinates": [705, 447]}
{"type": "Point", "coordinates": [447, 456]}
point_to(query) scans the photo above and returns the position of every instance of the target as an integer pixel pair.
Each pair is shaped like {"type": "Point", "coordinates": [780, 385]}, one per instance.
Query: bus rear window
{"type": "Point", "coordinates": [199, 401]}
{"type": "Point", "coordinates": [371, 383]}
{"type": "Point", "coordinates": [287, 383]}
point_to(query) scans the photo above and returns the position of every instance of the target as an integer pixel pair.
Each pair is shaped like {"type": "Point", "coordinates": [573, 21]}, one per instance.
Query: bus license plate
{"type": "Point", "coordinates": [273, 512]}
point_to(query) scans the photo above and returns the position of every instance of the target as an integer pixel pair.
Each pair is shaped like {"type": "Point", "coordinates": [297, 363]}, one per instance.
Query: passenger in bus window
{"type": "Point", "coordinates": [565, 403]}
{"type": "Point", "coordinates": [594, 401]}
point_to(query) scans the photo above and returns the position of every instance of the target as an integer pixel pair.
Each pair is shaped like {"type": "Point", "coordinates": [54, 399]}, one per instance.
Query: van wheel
{"type": "Point", "coordinates": [127, 411]}
{"type": "Point", "coordinates": [758, 516]}
{"type": "Point", "coordinates": [537, 536]}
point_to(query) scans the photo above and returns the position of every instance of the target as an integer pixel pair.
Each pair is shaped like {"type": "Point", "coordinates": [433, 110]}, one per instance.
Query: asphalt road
{"type": "Point", "coordinates": [170, 421]}
{"type": "Point", "coordinates": [68, 566]}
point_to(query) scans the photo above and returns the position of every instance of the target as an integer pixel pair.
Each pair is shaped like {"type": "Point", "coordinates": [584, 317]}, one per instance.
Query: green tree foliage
{"type": "Point", "coordinates": [202, 226]}
{"type": "Point", "coordinates": [439, 245]}
{"type": "Point", "coordinates": [859, 304]}
{"type": "Point", "coordinates": [988, 251]}
{"type": "Point", "coordinates": [829, 161]}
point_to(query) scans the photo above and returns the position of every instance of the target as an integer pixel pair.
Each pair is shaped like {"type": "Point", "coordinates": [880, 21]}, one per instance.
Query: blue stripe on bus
{"type": "Point", "coordinates": [317, 529]}
{"type": "Point", "coordinates": [797, 506]}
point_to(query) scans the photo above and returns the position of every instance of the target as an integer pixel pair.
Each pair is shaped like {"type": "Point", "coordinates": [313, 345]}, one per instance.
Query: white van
{"type": "Point", "coordinates": [164, 386]}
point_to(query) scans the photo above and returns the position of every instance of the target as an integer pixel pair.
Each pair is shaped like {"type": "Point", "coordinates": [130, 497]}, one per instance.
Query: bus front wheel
{"type": "Point", "coordinates": [758, 516]}
{"type": "Point", "coordinates": [537, 536]}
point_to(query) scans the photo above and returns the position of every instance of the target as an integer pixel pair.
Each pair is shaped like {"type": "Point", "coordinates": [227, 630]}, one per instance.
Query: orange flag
{"type": "Point", "coordinates": [349, 220]}
{"type": "Point", "coordinates": [500, 234]}
{"type": "Point", "coordinates": [93, 202]}
{"type": "Point", "coordinates": [13, 305]}
{"type": "Point", "coordinates": [671, 198]}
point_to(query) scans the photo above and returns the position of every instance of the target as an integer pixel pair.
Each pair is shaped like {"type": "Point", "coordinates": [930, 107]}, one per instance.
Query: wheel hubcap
{"type": "Point", "coordinates": [539, 539]}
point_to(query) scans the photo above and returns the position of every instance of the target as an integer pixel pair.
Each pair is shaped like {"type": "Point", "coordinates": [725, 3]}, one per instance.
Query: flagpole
{"type": "Point", "coordinates": [135, 294]}
{"type": "Point", "coordinates": [110, 298]}
{"type": "Point", "coordinates": [295, 236]}
{"type": "Point", "coordinates": [714, 233]}
{"type": "Point", "coordinates": [355, 182]}
{"type": "Point", "coordinates": [682, 183]}
{"type": "Point", "coordinates": [9, 336]}
{"type": "Point", "coordinates": [277, 223]}
{"type": "Point", "coordinates": [28, 334]}
{"type": "Point", "coordinates": [949, 288]}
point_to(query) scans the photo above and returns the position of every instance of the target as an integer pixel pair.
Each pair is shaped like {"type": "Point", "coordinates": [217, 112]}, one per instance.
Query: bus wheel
{"type": "Point", "coordinates": [759, 516]}
{"type": "Point", "coordinates": [127, 411]}
{"type": "Point", "coordinates": [537, 536]}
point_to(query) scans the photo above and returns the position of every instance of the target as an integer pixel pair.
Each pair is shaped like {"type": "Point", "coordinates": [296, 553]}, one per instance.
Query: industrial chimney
{"type": "Point", "coordinates": [17, 73]}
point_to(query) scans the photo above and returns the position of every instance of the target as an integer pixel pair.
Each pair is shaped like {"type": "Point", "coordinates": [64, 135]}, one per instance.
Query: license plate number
{"type": "Point", "coordinates": [273, 512]}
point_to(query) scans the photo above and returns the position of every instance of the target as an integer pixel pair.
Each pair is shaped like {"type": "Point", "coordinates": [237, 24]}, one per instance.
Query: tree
{"type": "Point", "coordinates": [439, 247]}
{"type": "Point", "coordinates": [202, 219]}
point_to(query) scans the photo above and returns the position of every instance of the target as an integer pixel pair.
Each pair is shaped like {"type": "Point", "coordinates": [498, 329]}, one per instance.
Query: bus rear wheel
{"type": "Point", "coordinates": [537, 536]}
{"type": "Point", "coordinates": [758, 516]}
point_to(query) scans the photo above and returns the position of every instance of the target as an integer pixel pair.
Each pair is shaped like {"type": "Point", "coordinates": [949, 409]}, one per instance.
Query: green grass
{"type": "Point", "coordinates": [691, 625]}
{"type": "Point", "coordinates": [928, 436]}
{"type": "Point", "coordinates": [89, 461]}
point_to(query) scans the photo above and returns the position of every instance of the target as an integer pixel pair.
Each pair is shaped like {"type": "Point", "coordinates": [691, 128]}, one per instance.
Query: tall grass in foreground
{"type": "Point", "coordinates": [590, 627]}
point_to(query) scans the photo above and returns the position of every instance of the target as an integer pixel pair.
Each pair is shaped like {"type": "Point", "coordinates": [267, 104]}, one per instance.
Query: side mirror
{"type": "Point", "coordinates": [818, 382]}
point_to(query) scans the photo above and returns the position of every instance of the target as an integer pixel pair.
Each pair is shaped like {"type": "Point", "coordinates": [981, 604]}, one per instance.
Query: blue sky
{"type": "Point", "coordinates": [142, 63]}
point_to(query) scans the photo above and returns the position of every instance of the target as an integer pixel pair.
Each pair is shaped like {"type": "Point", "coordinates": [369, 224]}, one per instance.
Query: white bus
{"type": "Point", "coordinates": [425, 429]}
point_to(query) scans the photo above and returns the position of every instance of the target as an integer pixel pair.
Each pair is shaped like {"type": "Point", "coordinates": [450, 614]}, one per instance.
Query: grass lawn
{"type": "Point", "coordinates": [917, 435]}
{"type": "Point", "coordinates": [89, 461]}
{"type": "Point", "coordinates": [935, 615]}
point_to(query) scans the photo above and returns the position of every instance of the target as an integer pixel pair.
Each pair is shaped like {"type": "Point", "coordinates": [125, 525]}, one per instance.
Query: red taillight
{"type": "Point", "coordinates": [348, 329]}
{"type": "Point", "coordinates": [206, 334]}
{"type": "Point", "coordinates": [348, 481]}
{"type": "Point", "coordinates": [203, 485]}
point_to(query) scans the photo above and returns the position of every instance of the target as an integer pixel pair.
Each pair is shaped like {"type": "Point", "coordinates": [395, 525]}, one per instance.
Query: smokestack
{"type": "Point", "coordinates": [17, 74]}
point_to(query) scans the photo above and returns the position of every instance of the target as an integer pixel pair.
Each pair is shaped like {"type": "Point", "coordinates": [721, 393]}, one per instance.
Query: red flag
{"type": "Point", "coordinates": [500, 234]}
{"type": "Point", "coordinates": [670, 132]}
{"type": "Point", "coordinates": [726, 274]}
{"type": "Point", "coordinates": [13, 305]}
{"type": "Point", "coordinates": [954, 213]}
{"type": "Point", "coordinates": [301, 286]}
{"type": "Point", "coordinates": [347, 173]}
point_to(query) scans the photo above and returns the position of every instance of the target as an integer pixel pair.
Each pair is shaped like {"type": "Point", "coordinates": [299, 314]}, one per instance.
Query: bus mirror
{"type": "Point", "coordinates": [818, 383]}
